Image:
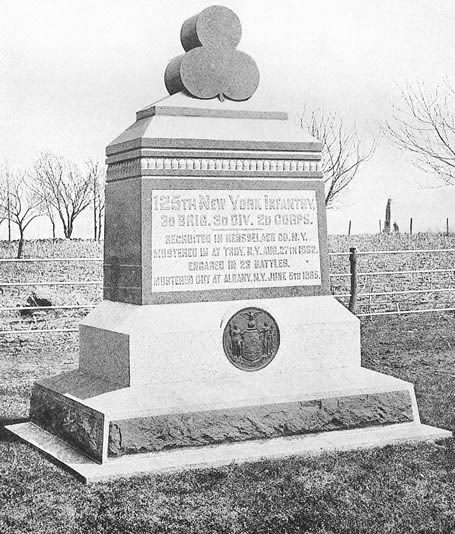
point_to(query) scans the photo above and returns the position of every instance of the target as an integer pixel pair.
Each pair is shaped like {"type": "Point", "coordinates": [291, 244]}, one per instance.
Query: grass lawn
{"type": "Point", "coordinates": [402, 489]}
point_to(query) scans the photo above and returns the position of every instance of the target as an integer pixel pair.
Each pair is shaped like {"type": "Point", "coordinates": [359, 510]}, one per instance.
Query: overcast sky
{"type": "Point", "coordinates": [73, 74]}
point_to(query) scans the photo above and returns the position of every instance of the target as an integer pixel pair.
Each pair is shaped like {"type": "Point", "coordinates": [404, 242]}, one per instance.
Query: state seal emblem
{"type": "Point", "coordinates": [251, 339]}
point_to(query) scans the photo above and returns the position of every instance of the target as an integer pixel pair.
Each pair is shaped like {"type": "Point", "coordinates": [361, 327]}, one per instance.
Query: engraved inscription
{"type": "Point", "coordinates": [216, 239]}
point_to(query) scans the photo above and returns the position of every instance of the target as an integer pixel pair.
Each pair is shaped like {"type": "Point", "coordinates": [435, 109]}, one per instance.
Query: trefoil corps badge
{"type": "Point", "coordinates": [251, 339]}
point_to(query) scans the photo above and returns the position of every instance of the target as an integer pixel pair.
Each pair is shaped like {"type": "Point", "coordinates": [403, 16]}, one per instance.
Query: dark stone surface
{"type": "Point", "coordinates": [209, 72]}
{"type": "Point", "coordinates": [229, 154]}
{"type": "Point", "coordinates": [71, 421]}
{"type": "Point", "coordinates": [229, 294]}
{"type": "Point", "coordinates": [227, 173]}
{"type": "Point", "coordinates": [199, 143]}
{"type": "Point", "coordinates": [212, 66]}
{"type": "Point", "coordinates": [175, 111]}
{"type": "Point", "coordinates": [258, 422]}
{"type": "Point", "coordinates": [128, 236]}
{"type": "Point", "coordinates": [214, 26]}
{"type": "Point", "coordinates": [79, 384]}
{"type": "Point", "coordinates": [128, 241]}
{"type": "Point", "coordinates": [105, 354]}
{"type": "Point", "coordinates": [139, 153]}
{"type": "Point", "coordinates": [123, 242]}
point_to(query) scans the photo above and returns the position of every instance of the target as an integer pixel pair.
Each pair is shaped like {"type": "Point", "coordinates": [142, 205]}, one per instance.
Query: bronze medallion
{"type": "Point", "coordinates": [251, 339]}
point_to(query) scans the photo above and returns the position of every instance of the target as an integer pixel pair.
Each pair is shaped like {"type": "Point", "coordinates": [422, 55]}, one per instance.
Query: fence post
{"type": "Point", "coordinates": [447, 226]}
{"type": "Point", "coordinates": [380, 226]}
{"type": "Point", "coordinates": [353, 268]}
{"type": "Point", "coordinates": [410, 225]}
{"type": "Point", "coordinates": [349, 228]}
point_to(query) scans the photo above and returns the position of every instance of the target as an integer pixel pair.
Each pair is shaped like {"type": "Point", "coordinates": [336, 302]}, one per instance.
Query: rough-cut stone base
{"type": "Point", "coordinates": [173, 431]}
{"type": "Point", "coordinates": [102, 419]}
{"type": "Point", "coordinates": [218, 455]}
{"type": "Point", "coordinates": [70, 420]}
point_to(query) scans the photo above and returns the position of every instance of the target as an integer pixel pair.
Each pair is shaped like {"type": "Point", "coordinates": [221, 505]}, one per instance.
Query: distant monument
{"type": "Point", "coordinates": [388, 217]}
{"type": "Point", "coordinates": [218, 339]}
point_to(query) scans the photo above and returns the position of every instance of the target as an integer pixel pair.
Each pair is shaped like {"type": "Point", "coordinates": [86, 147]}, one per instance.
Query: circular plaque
{"type": "Point", "coordinates": [251, 339]}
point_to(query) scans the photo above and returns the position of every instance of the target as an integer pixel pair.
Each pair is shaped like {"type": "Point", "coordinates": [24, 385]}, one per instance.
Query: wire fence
{"type": "Point", "coordinates": [339, 281]}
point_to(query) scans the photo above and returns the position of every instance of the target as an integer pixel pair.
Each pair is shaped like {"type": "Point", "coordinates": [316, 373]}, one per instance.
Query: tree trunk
{"type": "Point", "coordinates": [53, 226]}
{"type": "Point", "coordinates": [69, 229]}
{"type": "Point", "coordinates": [100, 225]}
{"type": "Point", "coordinates": [8, 200]}
{"type": "Point", "coordinates": [20, 247]}
{"type": "Point", "coordinates": [95, 224]}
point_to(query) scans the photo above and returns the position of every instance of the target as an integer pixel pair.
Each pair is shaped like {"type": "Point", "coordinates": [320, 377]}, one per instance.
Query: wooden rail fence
{"type": "Point", "coordinates": [354, 295]}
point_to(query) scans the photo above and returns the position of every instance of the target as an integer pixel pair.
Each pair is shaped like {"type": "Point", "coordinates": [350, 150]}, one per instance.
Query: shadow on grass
{"type": "Point", "coordinates": [6, 435]}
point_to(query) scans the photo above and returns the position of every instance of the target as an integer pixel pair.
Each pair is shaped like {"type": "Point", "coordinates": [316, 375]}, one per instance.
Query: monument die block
{"type": "Point", "coordinates": [217, 324]}
{"type": "Point", "coordinates": [224, 239]}
{"type": "Point", "coordinates": [211, 239]}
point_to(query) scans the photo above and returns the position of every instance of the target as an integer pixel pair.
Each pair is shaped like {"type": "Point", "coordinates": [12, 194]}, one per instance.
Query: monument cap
{"type": "Point", "coordinates": [214, 26]}
{"type": "Point", "coordinates": [212, 66]}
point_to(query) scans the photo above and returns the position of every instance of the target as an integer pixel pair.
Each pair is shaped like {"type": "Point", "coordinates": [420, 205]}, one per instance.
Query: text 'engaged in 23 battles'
{"type": "Point", "coordinates": [214, 239]}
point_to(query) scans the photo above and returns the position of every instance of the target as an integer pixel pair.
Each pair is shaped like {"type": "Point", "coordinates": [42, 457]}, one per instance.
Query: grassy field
{"type": "Point", "coordinates": [91, 271]}
{"type": "Point", "coordinates": [397, 263]}
{"type": "Point", "coordinates": [403, 489]}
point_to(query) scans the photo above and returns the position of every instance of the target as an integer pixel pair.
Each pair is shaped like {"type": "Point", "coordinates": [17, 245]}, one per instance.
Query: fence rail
{"type": "Point", "coordinates": [51, 283]}
{"type": "Point", "coordinates": [38, 260]}
{"type": "Point", "coordinates": [403, 251]}
{"type": "Point", "coordinates": [380, 273]}
{"type": "Point", "coordinates": [353, 294]}
{"type": "Point", "coordinates": [358, 252]}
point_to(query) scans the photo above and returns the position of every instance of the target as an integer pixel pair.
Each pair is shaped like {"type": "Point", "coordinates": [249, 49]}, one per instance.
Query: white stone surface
{"type": "Point", "coordinates": [219, 455]}
{"type": "Point", "coordinates": [180, 100]}
{"type": "Point", "coordinates": [249, 389]}
{"type": "Point", "coordinates": [284, 251]}
{"type": "Point", "coordinates": [173, 343]}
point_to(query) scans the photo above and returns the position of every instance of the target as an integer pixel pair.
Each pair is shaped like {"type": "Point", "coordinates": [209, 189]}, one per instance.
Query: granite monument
{"type": "Point", "coordinates": [218, 339]}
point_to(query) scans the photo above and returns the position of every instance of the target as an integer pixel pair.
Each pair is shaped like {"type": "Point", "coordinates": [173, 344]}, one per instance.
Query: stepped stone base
{"type": "Point", "coordinates": [212, 427]}
{"type": "Point", "coordinates": [102, 419]}
{"type": "Point", "coordinates": [183, 404]}
{"type": "Point", "coordinates": [99, 430]}
{"type": "Point", "coordinates": [218, 455]}
{"type": "Point", "coordinates": [69, 419]}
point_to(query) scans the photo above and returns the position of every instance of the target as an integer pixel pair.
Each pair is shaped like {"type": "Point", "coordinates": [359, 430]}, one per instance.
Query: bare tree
{"type": "Point", "coordinates": [5, 195]}
{"type": "Point", "coordinates": [97, 173]}
{"type": "Point", "coordinates": [48, 208]}
{"type": "Point", "coordinates": [63, 188]}
{"type": "Point", "coordinates": [424, 125]}
{"type": "Point", "coordinates": [20, 206]}
{"type": "Point", "coordinates": [343, 151]}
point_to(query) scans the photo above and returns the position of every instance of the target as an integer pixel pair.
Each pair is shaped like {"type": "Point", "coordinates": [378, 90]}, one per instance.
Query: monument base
{"type": "Point", "coordinates": [180, 402]}
{"type": "Point", "coordinates": [218, 455]}
{"type": "Point", "coordinates": [103, 420]}
{"type": "Point", "coordinates": [130, 430]}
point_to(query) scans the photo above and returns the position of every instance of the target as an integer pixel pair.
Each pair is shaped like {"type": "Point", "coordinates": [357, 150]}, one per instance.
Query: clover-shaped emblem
{"type": "Point", "coordinates": [212, 66]}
